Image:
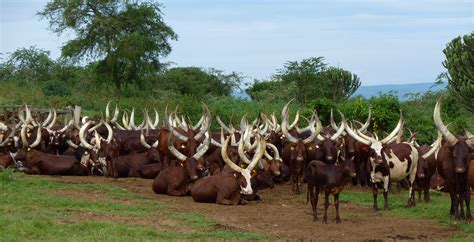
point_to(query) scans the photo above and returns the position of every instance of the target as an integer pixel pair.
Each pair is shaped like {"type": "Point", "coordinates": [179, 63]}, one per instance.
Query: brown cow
{"type": "Point", "coordinates": [426, 168]}
{"type": "Point", "coordinates": [453, 166]}
{"type": "Point", "coordinates": [331, 178]}
{"type": "Point", "coordinates": [225, 188]}
{"type": "Point", "coordinates": [175, 180]}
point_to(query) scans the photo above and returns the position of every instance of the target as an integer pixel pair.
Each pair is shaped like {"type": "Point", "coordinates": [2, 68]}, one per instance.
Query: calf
{"type": "Point", "coordinates": [331, 178]}
{"type": "Point", "coordinates": [426, 169]}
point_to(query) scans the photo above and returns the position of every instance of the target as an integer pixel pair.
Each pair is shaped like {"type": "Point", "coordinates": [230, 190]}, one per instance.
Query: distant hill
{"type": "Point", "coordinates": [369, 91]}
{"type": "Point", "coordinates": [400, 90]}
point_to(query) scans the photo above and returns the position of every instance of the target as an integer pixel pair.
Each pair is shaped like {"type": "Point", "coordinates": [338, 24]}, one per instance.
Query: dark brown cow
{"type": "Point", "coordinates": [330, 178]}
{"type": "Point", "coordinates": [426, 169]}
{"type": "Point", "coordinates": [225, 188]}
{"type": "Point", "coordinates": [453, 166]}
{"type": "Point", "coordinates": [175, 180]}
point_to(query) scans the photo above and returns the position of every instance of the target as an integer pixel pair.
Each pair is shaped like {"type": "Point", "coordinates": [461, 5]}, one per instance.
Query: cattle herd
{"type": "Point", "coordinates": [229, 166]}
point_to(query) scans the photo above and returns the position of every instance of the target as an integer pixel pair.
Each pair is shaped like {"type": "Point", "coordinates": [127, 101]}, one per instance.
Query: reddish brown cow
{"type": "Point", "coordinates": [330, 178]}
{"type": "Point", "coordinates": [225, 188]}
{"type": "Point", "coordinates": [175, 180]}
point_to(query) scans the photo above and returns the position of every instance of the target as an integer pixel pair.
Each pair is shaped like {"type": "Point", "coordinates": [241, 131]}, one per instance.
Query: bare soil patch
{"type": "Point", "coordinates": [286, 216]}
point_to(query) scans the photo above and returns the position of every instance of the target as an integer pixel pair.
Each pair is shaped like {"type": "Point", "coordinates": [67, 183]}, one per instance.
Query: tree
{"type": "Point", "coordinates": [196, 82]}
{"type": "Point", "coordinates": [28, 64]}
{"type": "Point", "coordinates": [126, 38]}
{"type": "Point", "coordinates": [460, 65]}
{"type": "Point", "coordinates": [306, 76]}
{"type": "Point", "coordinates": [341, 84]}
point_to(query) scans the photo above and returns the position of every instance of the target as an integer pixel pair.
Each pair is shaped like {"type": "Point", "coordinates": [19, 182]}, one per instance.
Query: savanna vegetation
{"type": "Point", "coordinates": [110, 60]}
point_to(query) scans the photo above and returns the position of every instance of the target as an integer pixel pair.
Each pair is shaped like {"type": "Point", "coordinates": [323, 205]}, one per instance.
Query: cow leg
{"type": "Point", "coordinates": [411, 195]}
{"type": "Point", "coordinates": [336, 204]}
{"type": "Point", "coordinates": [223, 199]}
{"type": "Point", "coordinates": [313, 200]}
{"type": "Point", "coordinates": [419, 195]}
{"type": "Point", "coordinates": [326, 206]}
{"type": "Point", "coordinates": [426, 187]}
{"type": "Point", "coordinates": [467, 199]}
{"type": "Point", "coordinates": [374, 192]}
{"type": "Point", "coordinates": [386, 183]}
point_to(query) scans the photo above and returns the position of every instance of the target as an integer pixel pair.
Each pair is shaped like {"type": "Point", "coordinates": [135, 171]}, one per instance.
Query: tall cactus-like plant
{"type": "Point", "coordinates": [460, 65]}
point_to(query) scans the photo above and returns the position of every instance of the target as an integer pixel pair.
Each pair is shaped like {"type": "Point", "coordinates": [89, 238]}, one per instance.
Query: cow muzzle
{"type": "Point", "coordinates": [460, 170]}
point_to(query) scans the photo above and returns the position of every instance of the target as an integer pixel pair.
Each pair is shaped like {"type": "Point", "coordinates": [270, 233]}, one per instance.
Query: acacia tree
{"type": "Point", "coordinates": [460, 65]}
{"type": "Point", "coordinates": [126, 38]}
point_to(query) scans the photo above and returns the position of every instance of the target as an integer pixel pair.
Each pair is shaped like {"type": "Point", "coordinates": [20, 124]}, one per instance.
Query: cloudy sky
{"type": "Point", "coordinates": [382, 41]}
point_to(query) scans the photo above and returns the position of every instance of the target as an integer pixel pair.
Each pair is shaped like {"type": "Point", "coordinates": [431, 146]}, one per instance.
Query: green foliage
{"type": "Point", "coordinates": [309, 79]}
{"type": "Point", "coordinates": [460, 65]}
{"type": "Point", "coordinates": [28, 65]}
{"type": "Point", "coordinates": [306, 77]}
{"type": "Point", "coordinates": [196, 82]}
{"type": "Point", "coordinates": [127, 38]}
{"type": "Point", "coordinates": [341, 83]}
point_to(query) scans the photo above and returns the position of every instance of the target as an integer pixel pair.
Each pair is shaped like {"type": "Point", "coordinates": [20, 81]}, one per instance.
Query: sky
{"type": "Point", "coordinates": [382, 41]}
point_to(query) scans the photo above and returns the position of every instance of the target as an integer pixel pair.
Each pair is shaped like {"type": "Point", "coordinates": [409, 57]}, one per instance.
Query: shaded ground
{"type": "Point", "coordinates": [285, 216]}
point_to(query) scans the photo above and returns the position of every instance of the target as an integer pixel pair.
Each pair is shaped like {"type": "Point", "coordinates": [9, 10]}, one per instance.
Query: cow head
{"type": "Point", "coordinates": [349, 166]}
{"type": "Point", "coordinates": [244, 175]}
{"type": "Point", "coordinates": [193, 162]}
{"type": "Point", "coordinates": [273, 164]}
{"type": "Point", "coordinates": [295, 145]}
{"type": "Point", "coordinates": [375, 145]}
{"type": "Point", "coordinates": [457, 146]}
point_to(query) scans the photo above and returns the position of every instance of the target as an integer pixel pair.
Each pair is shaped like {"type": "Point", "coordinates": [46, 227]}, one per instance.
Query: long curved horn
{"type": "Point", "coordinates": [48, 118]}
{"type": "Point", "coordinates": [434, 147]}
{"type": "Point", "coordinates": [203, 149]}
{"type": "Point", "coordinates": [339, 131]}
{"type": "Point", "coordinates": [23, 136]}
{"type": "Point", "coordinates": [116, 114]}
{"type": "Point", "coordinates": [38, 138]}
{"type": "Point", "coordinates": [97, 140]}
{"type": "Point", "coordinates": [352, 133]}
{"type": "Point", "coordinates": [440, 125]}
{"type": "Point", "coordinates": [71, 122]}
{"type": "Point", "coordinates": [107, 114]}
{"type": "Point", "coordinates": [54, 120]}
{"type": "Point", "coordinates": [394, 131]}
{"type": "Point", "coordinates": [110, 133]}
{"type": "Point", "coordinates": [157, 118]}
{"type": "Point", "coordinates": [174, 132]}
{"type": "Point", "coordinates": [199, 123]}
{"type": "Point", "coordinates": [240, 150]}
{"type": "Point", "coordinates": [333, 124]}
{"type": "Point", "coordinates": [132, 120]}
{"type": "Point", "coordinates": [174, 151]}
{"type": "Point", "coordinates": [314, 131]}
{"type": "Point", "coordinates": [276, 154]}
{"type": "Point", "coordinates": [284, 128]}
{"type": "Point", "coordinates": [367, 123]}
{"type": "Point", "coordinates": [295, 122]}
{"type": "Point", "coordinates": [226, 158]}
{"type": "Point", "coordinates": [71, 144]}
{"type": "Point", "coordinates": [243, 123]}
{"type": "Point", "coordinates": [222, 124]}
{"type": "Point", "coordinates": [468, 134]}
{"type": "Point", "coordinates": [205, 127]}
{"type": "Point", "coordinates": [125, 121]}
{"type": "Point", "coordinates": [84, 142]}
{"type": "Point", "coordinates": [261, 147]}
{"type": "Point", "coordinates": [143, 141]}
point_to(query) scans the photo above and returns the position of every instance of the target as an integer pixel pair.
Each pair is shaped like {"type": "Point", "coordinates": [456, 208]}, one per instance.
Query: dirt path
{"type": "Point", "coordinates": [286, 216]}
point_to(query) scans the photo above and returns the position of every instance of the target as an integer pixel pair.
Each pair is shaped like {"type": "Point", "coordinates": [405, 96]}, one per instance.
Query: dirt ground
{"type": "Point", "coordinates": [286, 216]}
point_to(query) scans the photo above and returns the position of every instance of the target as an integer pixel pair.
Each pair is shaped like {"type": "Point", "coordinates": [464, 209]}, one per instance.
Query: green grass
{"type": "Point", "coordinates": [35, 208]}
{"type": "Point", "coordinates": [437, 209]}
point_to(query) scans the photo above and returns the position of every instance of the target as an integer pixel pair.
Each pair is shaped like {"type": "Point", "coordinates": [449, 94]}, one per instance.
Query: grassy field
{"type": "Point", "coordinates": [437, 209]}
{"type": "Point", "coordinates": [34, 208]}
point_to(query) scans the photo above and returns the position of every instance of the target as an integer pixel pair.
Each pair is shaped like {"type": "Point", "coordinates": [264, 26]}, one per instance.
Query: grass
{"type": "Point", "coordinates": [437, 209]}
{"type": "Point", "coordinates": [34, 208]}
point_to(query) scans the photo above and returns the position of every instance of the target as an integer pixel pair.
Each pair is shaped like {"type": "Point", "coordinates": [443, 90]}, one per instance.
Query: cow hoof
{"type": "Point", "coordinates": [325, 221]}
{"type": "Point", "coordinates": [315, 219]}
{"type": "Point", "coordinates": [338, 220]}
